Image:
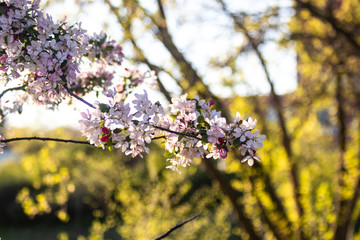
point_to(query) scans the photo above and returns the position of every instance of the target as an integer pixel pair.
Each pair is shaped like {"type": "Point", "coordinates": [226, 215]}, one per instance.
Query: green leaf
{"type": "Point", "coordinates": [201, 119]}
{"type": "Point", "coordinates": [32, 31]}
{"type": "Point", "coordinates": [109, 144]}
{"type": "Point", "coordinates": [237, 142]}
{"type": "Point", "coordinates": [203, 131]}
{"type": "Point", "coordinates": [136, 122]}
{"type": "Point", "coordinates": [104, 107]}
{"type": "Point", "coordinates": [117, 130]}
{"type": "Point", "coordinates": [168, 154]}
{"type": "Point", "coordinates": [204, 138]}
{"type": "Point", "coordinates": [22, 37]}
{"type": "Point", "coordinates": [102, 41]}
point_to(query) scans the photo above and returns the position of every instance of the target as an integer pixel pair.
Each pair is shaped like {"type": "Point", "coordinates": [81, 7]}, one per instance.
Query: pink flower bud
{"type": "Point", "coordinates": [69, 57]}
{"type": "Point", "coordinates": [221, 141]}
{"type": "Point", "coordinates": [211, 102]}
{"type": "Point", "coordinates": [223, 153]}
{"type": "Point", "coordinates": [105, 130]}
{"type": "Point", "coordinates": [254, 151]}
{"type": "Point", "coordinates": [6, 10]}
{"type": "Point", "coordinates": [104, 138]}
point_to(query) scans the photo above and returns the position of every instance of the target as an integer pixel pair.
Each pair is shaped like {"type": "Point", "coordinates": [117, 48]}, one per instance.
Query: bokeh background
{"type": "Point", "coordinates": [292, 65]}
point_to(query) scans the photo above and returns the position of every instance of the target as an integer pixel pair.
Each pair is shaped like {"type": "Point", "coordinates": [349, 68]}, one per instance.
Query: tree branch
{"type": "Point", "coordinates": [286, 140]}
{"type": "Point", "coordinates": [12, 89]}
{"type": "Point", "coordinates": [176, 227]}
{"type": "Point", "coordinates": [187, 70]}
{"type": "Point", "coordinates": [229, 191]}
{"type": "Point", "coordinates": [352, 203]}
{"type": "Point", "coordinates": [341, 228]}
{"type": "Point", "coordinates": [43, 139]}
{"type": "Point", "coordinates": [178, 133]}
{"type": "Point", "coordinates": [47, 139]}
{"type": "Point", "coordinates": [272, 224]}
{"type": "Point", "coordinates": [78, 98]}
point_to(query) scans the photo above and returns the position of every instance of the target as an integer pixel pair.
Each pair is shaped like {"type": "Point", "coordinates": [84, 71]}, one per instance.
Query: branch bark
{"type": "Point", "coordinates": [278, 233]}
{"type": "Point", "coordinates": [12, 89]}
{"type": "Point", "coordinates": [286, 140]}
{"type": "Point", "coordinates": [228, 190]}
{"type": "Point", "coordinates": [341, 228]}
{"type": "Point", "coordinates": [44, 139]}
{"type": "Point", "coordinates": [179, 225]}
{"type": "Point", "coordinates": [186, 68]}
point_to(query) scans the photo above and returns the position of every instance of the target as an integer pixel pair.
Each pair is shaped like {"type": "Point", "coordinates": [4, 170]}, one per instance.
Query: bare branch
{"type": "Point", "coordinates": [43, 139]}
{"type": "Point", "coordinates": [47, 139]}
{"type": "Point", "coordinates": [176, 227]}
{"type": "Point", "coordinates": [12, 89]}
{"type": "Point", "coordinates": [78, 98]}
{"type": "Point", "coordinates": [178, 133]}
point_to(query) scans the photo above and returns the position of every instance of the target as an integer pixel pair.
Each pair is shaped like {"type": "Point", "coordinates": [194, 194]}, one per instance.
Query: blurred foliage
{"type": "Point", "coordinates": [137, 198]}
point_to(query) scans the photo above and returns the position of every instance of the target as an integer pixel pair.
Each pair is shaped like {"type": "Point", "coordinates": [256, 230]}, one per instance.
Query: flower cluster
{"type": "Point", "coordinates": [192, 130]}
{"type": "Point", "coordinates": [97, 76]}
{"type": "Point", "coordinates": [46, 55]}
{"type": "Point", "coordinates": [113, 124]}
{"type": "Point", "coordinates": [101, 50]}
{"type": "Point", "coordinates": [201, 132]}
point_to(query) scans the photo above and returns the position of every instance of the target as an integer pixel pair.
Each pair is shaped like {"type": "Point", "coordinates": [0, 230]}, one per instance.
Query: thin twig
{"type": "Point", "coordinates": [43, 139]}
{"type": "Point", "coordinates": [12, 89]}
{"type": "Point", "coordinates": [78, 98]}
{"type": "Point", "coordinates": [55, 139]}
{"type": "Point", "coordinates": [176, 227]}
{"type": "Point", "coordinates": [178, 133]}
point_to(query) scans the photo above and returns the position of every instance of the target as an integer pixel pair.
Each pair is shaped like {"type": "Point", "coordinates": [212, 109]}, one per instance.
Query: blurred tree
{"type": "Point", "coordinates": [137, 199]}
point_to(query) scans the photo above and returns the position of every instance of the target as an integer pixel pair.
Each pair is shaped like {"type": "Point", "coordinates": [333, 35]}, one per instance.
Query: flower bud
{"type": "Point", "coordinates": [211, 102]}
{"type": "Point", "coordinates": [104, 138]}
{"type": "Point", "coordinates": [223, 153]}
{"type": "Point", "coordinates": [221, 141]}
{"type": "Point", "coordinates": [105, 130]}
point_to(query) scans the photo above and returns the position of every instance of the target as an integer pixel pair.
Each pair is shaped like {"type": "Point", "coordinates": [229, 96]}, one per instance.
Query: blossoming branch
{"type": "Point", "coordinates": [47, 59]}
